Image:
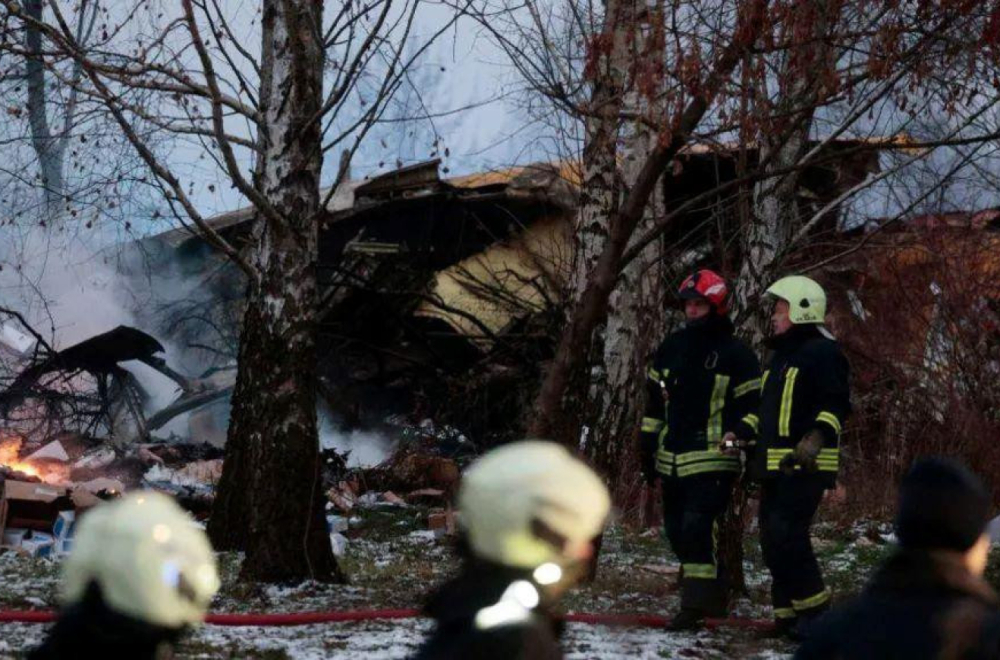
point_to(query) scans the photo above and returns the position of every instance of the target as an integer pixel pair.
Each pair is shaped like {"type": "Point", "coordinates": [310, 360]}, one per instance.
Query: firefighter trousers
{"type": "Point", "coordinates": [692, 510]}
{"type": "Point", "coordinates": [787, 507]}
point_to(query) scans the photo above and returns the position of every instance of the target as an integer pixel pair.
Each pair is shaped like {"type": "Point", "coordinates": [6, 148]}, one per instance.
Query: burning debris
{"type": "Point", "coordinates": [48, 465]}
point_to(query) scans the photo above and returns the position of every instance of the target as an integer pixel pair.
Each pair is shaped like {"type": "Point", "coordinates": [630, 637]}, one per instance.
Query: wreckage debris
{"type": "Point", "coordinates": [442, 523]}
{"type": "Point", "coordinates": [45, 464]}
{"type": "Point", "coordinates": [98, 356]}
{"type": "Point", "coordinates": [39, 519]}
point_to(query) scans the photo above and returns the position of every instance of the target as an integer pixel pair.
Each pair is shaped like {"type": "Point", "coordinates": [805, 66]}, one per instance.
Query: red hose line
{"type": "Point", "coordinates": [7, 616]}
{"type": "Point", "coordinates": [307, 618]}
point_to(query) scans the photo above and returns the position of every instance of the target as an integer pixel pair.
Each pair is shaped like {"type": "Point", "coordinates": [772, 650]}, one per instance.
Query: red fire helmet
{"type": "Point", "coordinates": [709, 286]}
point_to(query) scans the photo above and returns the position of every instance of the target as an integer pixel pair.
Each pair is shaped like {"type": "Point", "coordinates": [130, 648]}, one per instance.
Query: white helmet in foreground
{"type": "Point", "coordinates": [531, 502]}
{"type": "Point", "coordinates": [149, 558]}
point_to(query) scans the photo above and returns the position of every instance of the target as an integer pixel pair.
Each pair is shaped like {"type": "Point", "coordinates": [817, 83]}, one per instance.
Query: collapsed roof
{"type": "Point", "coordinates": [493, 247]}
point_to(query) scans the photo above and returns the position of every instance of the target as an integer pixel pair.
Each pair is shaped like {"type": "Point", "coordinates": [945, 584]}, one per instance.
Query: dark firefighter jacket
{"type": "Point", "coordinates": [473, 620]}
{"type": "Point", "coordinates": [702, 384]}
{"type": "Point", "coordinates": [804, 388]}
{"type": "Point", "coordinates": [920, 606]}
{"type": "Point", "coordinates": [90, 629]}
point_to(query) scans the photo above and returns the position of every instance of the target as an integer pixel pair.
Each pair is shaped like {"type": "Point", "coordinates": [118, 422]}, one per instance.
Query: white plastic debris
{"type": "Point", "coordinates": [97, 459]}
{"type": "Point", "coordinates": [337, 524]}
{"type": "Point", "coordinates": [369, 499]}
{"type": "Point", "coordinates": [54, 451]}
{"type": "Point", "coordinates": [14, 339]}
{"type": "Point", "coordinates": [339, 544]}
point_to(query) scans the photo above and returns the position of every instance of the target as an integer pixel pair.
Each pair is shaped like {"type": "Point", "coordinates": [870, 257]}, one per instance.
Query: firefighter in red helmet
{"type": "Point", "coordinates": [703, 389]}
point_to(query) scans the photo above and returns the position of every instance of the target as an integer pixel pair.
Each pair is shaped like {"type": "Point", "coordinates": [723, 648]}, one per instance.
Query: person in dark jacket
{"type": "Point", "coordinates": [805, 401]}
{"type": "Point", "coordinates": [929, 600]}
{"type": "Point", "coordinates": [529, 513]}
{"type": "Point", "coordinates": [139, 576]}
{"type": "Point", "coordinates": [702, 393]}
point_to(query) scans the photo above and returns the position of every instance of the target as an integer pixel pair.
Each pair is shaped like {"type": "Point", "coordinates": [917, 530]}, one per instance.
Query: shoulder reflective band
{"type": "Point", "coordinates": [830, 419]}
{"type": "Point", "coordinates": [763, 379]}
{"type": "Point", "coordinates": [746, 387]}
{"type": "Point", "coordinates": [753, 422]}
{"type": "Point", "coordinates": [715, 406]}
{"type": "Point", "coordinates": [653, 374]}
{"type": "Point", "coordinates": [785, 417]}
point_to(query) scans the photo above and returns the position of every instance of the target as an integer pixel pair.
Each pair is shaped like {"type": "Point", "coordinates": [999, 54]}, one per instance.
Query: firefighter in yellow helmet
{"type": "Point", "coordinates": [805, 401]}
{"type": "Point", "coordinates": [529, 512]}
{"type": "Point", "coordinates": [140, 574]}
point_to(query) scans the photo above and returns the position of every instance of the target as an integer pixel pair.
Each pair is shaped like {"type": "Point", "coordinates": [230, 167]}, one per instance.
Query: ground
{"type": "Point", "coordinates": [393, 562]}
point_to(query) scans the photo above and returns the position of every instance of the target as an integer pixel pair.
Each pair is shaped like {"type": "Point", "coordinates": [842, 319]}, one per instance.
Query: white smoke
{"type": "Point", "coordinates": [69, 290]}
{"type": "Point", "coordinates": [368, 448]}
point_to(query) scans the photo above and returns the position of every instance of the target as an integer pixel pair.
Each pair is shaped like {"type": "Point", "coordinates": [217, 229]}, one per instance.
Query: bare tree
{"type": "Point", "coordinates": [266, 118]}
{"type": "Point", "coordinates": [677, 119]}
{"type": "Point", "coordinates": [811, 60]}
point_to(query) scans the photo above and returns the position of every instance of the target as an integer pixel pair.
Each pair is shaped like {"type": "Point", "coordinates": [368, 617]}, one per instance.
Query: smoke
{"type": "Point", "coordinates": [70, 289]}
{"type": "Point", "coordinates": [368, 448]}
{"type": "Point", "coordinates": [63, 286]}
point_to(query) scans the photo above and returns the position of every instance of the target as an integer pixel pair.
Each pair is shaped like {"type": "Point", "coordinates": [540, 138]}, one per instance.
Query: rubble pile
{"type": "Point", "coordinates": [39, 519]}
{"type": "Point", "coordinates": [46, 487]}
{"type": "Point", "coordinates": [418, 474]}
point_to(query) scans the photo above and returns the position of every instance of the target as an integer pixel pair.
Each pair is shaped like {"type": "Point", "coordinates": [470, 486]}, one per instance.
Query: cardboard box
{"type": "Point", "coordinates": [32, 505]}
{"type": "Point", "coordinates": [39, 544]}
{"type": "Point", "coordinates": [13, 536]}
{"type": "Point", "coordinates": [442, 523]}
{"type": "Point", "coordinates": [63, 547]}
{"type": "Point", "coordinates": [65, 525]}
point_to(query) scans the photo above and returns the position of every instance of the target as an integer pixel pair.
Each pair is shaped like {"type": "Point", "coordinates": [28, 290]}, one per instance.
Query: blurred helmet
{"type": "Point", "coordinates": [805, 297]}
{"type": "Point", "coordinates": [709, 286]}
{"type": "Point", "coordinates": [149, 558]}
{"type": "Point", "coordinates": [530, 503]}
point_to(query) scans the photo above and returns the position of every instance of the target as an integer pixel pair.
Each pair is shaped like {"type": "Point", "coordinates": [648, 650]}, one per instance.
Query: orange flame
{"type": "Point", "coordinates": [10, 449]}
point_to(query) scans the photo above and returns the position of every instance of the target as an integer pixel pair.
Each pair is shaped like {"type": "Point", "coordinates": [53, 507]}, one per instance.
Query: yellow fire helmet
{"type": "Point", "coordinates": [805, 297]}
{"type": "Point", "coordinates": [529, 503]}
{"type": "Point", "coordinates": [149, 558]}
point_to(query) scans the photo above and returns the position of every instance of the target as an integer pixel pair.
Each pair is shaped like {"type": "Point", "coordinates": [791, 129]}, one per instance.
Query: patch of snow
{"type": "Point", "coordinates": [425, 535]}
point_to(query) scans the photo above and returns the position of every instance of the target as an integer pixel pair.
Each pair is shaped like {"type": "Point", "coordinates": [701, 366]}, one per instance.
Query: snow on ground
{"type": "Point", "coordinates": [395, 640]}
{"type": "Point", "coordinates": [393, 562]}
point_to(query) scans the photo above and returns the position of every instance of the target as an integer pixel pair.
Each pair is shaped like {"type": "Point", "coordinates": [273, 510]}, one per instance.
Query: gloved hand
{"type": "Point", "coordinates": [805, 454]}
{"type": "Point", "coordinates": [731, 445]}
{"type": "Point", "coordinates": [647, 458]}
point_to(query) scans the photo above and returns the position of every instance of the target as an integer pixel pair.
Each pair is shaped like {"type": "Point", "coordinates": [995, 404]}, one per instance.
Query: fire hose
{"type": "Point", "coordinates": [309, 618]}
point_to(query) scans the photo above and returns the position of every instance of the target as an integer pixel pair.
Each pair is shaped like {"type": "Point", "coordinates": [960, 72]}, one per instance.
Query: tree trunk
{"type": "Point", "coordinates": [776, 214]}
{"type": "Point", "coordinates": [782, 146]}
{"type": "Point", "coordinates": [47, 148]}
{"type": "Point", "coordinates": [590, 310]}
{"type": "Point", "coordinates": [271, 485]}
{"type": "Point", "coordinates": [636, 311]}
{"type": "Point", "coordinates": [600, 194]}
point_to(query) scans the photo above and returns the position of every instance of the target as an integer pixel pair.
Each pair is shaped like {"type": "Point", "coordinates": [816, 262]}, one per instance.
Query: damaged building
{"type": "Point", "coordinates": [440, 297]}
